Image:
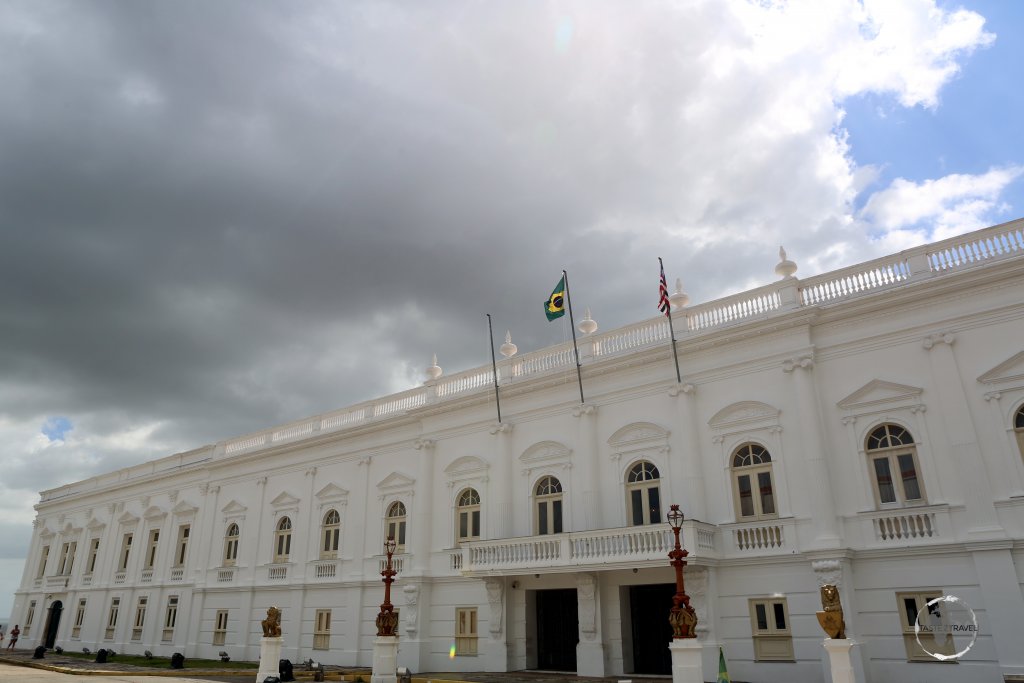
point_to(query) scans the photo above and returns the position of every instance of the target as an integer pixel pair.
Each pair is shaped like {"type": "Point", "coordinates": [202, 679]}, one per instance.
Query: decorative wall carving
{"type": "Point", "coordinates": [586, 590]}
{"type": "Point", "coordinates": [496, 599]}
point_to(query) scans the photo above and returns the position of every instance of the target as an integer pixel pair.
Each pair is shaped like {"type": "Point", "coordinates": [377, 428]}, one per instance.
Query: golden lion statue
{"type": "Point", "coordinates": [831, 616]}
{"type": "Point", "coordinates": [272, 624]}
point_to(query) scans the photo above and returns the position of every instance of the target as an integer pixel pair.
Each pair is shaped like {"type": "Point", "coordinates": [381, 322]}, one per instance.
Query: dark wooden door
{"type": "Point", "coordinates": [557, 629]}
{"type": "Point", "coordinates": [53, 623]}
{"type": "Point", "coordinates": [648, 611]}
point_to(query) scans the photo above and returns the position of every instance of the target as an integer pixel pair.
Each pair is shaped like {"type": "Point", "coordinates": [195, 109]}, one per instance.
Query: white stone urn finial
{"type": "Point", "coordinates": [434, 371]}
{"type": "Point", "coordinates": [785, 267]}
{"type": "Point", "coordinates": [508, 349]}
{"type": "Point", "coordinates": [588, 325]}
{"type": "Point", "coordinates": [678, 298]}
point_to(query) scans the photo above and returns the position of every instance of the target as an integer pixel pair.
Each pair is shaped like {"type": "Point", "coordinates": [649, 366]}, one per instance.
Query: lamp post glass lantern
{"type": "Point", "coordinates": [387, 620]}
{"type": "Point", "coordinates": [682, 617]}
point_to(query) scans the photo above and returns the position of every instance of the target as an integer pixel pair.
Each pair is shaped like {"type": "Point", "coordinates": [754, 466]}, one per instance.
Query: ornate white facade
{"type": "Point", "coordinates": [862, 427]}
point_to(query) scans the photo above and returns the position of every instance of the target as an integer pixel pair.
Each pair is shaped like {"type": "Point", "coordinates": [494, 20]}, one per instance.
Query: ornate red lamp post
{"type": "Point", "coordinates": [682, 617]}
{"type": "Point", "coordinates": [387, 620]}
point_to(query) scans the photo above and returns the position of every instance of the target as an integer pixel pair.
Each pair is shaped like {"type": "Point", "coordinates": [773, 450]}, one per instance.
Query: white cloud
{"type": "Point", "coordinates": [939, 208]}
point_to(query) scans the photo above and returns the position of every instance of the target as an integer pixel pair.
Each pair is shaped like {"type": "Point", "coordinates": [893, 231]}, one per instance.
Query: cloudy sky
{"type": "Point", "coordinates": [216, 217]}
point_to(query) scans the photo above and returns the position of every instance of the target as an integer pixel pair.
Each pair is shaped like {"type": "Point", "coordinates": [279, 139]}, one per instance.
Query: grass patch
{"type": "Point", "coordinates": [164, 662]}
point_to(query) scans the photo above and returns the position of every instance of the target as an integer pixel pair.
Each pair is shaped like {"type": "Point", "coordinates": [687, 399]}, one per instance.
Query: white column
{"type": "Point", "coordinates": [590, 649]}
{"type": "Point", "coordinates": [590, 464]}
{"type": "Point", "coordinates": [1004, 605]}
{"type": "Point", "coordinates": [961, 439]}
{"type": "Point", "coordinates": [820, 493]}
{"type": "Point", "coordinates": [421, 525]}
{"type": "Point", "coordinates": [502, 495]}
{"type": "Point", "coordinates": [694, 504]}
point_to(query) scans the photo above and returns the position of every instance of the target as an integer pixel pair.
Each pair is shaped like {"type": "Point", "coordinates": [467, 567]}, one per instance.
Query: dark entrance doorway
{"type": "Point", "coordinates": [557, 629]}
{"type": "Point", "coordinates": [648, 612]}
{"type": "Point", "coordinates": [52, 623]}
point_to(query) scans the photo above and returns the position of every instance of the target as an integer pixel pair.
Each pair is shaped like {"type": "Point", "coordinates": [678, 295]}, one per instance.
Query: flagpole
{"type": "Point", "coordinates": [494, 367]}
{"type": "Point", "coordinates": [572, 326]}
{"type": "Point", "coordinates": [671, 326]}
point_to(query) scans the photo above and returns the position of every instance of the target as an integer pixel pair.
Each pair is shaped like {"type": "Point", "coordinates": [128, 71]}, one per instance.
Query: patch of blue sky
{"type": "Point", "coordinates": [975, 127]}
{"type": "Point", "coordinates": [56, 427]}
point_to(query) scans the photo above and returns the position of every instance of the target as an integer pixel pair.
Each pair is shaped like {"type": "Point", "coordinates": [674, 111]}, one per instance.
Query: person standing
{"type": "Point", "coordinates": [15, 632]}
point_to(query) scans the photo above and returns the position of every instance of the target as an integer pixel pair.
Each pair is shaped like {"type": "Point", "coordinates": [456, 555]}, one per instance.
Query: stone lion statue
{"type": "Point", "coordinates": [272, 624]}
{"type": "Point", "coordinates": [831, 616]}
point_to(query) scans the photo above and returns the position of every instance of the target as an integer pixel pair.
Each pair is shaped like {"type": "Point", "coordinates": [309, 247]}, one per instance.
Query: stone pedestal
{"type": "Point", "coordinates": [686, 660]}
{"type": "Point", "coordinates": [385, 660]}
{"type": "Point", "coordinates": [840, 661]}
{"type": "Point", "coordinates": [270, 658]}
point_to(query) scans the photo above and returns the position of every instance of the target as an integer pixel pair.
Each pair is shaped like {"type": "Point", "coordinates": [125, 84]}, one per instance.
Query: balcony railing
{"type": "Point", "coordinates": [608, 548]}
{"type": "Point", "coordinates": [905, 526]}
{"type": "Point", "coordinates": [177, 573]}
{"type": "Point", "coordinates": [765, 537]}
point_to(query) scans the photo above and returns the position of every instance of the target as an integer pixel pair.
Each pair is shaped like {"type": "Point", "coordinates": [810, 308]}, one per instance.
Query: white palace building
{"type": "Point", "coordinates": [864, 427]}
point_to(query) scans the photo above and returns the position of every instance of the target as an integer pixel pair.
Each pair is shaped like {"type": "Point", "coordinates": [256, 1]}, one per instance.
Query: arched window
{"type": "Point", "coordinates": [752, 483]}
{"type": "Point", "coordinates": [467, 516]}
{"type": "Point", "coordinates": [892, 459]}
{"type": "Point", "coordinates": [643, 494]}
{"type": "Point", "coordinates": [548, 506]}
{"type": "Point", "coordinates": [231, 545]}
{"type": "Point", "coordinates": [1018, 427]}
{"type": "Point", "coordinates": [395, 525]}
{"type": "Point", "coordinates": [283, 540]}
{"type": "Point", "coordinates": [331, 534]}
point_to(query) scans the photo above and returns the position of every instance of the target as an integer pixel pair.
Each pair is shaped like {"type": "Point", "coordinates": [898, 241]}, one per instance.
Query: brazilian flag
{"type": "Point", "coordinates": [554, 307]}
{"type": "Point", "coordinates": [723, 673]}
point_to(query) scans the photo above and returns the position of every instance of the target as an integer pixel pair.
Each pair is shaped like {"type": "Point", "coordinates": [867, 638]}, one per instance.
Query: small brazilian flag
{"type": "Point", "coordinates": [723, 674]}
{"type": "Point", "coordinates": [554, 307]}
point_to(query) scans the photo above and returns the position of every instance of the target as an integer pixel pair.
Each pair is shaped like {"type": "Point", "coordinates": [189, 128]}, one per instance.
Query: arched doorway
{"type": "Point", "coordinates": [52, 623]}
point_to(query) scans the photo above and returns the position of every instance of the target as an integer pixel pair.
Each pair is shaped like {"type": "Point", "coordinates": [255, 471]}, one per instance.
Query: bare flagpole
{"type": "Point", "coordinates": [572, 326]}
{"type": "Point", "coordinates": [494, 368]}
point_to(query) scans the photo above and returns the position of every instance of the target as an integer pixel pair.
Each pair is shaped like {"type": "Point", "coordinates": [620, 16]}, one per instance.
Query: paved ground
{"type": "Point", "coordinates": [18, 665]}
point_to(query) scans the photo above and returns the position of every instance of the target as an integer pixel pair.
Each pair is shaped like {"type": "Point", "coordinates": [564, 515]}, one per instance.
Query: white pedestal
{"type": "Point", "coordinates": [686, 660]}
{"type": "Point", "coordinates": [270, 658]}
{"type": "Point", "coordinates": [385, 660]}
{"type": "Point", "coordinates": [839, 659]}
{"type": "Point", "coordinates": [590, 658]}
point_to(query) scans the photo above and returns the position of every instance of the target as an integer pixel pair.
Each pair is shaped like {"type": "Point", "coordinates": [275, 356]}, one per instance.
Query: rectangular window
{"type": "Point", "coordinates": [937, 640]}
{"type": "Point", "coordinates": [883, 477]}
{"type": "Point", "coordinates": [465, 631]}
{"type": "Point", "coordinates": [42, 561]}
{"type": "Point", "coordinates": [170, 618]}
{"type": "Point", "coordinates": [908, 473]}
{"type": "Point", "coordinates": [94, 551]}
{"type": "Point", "coordinates": [115, 605]}
{"type": "Point", "coordinates": [140, 618]}
{"type": "Point", "coordinates": [76, 629]}
{"type": "Point", "coordinates": [154, 541]}
{"type": "Point", "coordinates": [63, 558]}
{"type": "Point", "coordinates": [182, 545]}
{"type": "Point", "coordinates": [769, 622]}
{"type": "Point", "coordinates": [764, 483]}
{"type": "Point", "coordinates": [29, 616]}
{"type": "Point", "coordinates": [126, 549]}
{"type": "Point", "coordinates": [220, 627]}
{"type": "Point", "coordinates": [322, 630]}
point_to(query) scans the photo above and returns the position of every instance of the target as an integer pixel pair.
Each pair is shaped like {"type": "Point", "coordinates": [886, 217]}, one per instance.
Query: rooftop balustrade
{"type": "Point", "coordinates": [778, 298]}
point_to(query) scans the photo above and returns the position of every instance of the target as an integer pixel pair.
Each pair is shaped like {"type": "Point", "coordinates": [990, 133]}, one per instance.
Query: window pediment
{"type": "Point", "coordinates": [638, 434]}
{"type": "Point", "coordinates": [284, 500]}
{"type": "Point", "coordinates": [184, 509]}
{"type": "Point", "coordinates": [877, 393]}
{"type": "Point", "coordinates": [545, 452]}
{"type": "Point", "coordinates": [396, 481]}
{"type": "Point", "coordinates": [467, 465]}
{"type": "Point", "coordinates": [154, 512]}
{"type": "Point", "coordinates": [331, 493]}
{"type": "Point", "coordinates": [127, 518]}
{"type": "Point", "coordinates": [1010, 370]}
{"type": "Point", "coordinates": [744, 414]}
{"type": "Point", "coordinates": [233, 508]}
{"type": "Point", "coordinates": [95, 524]}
